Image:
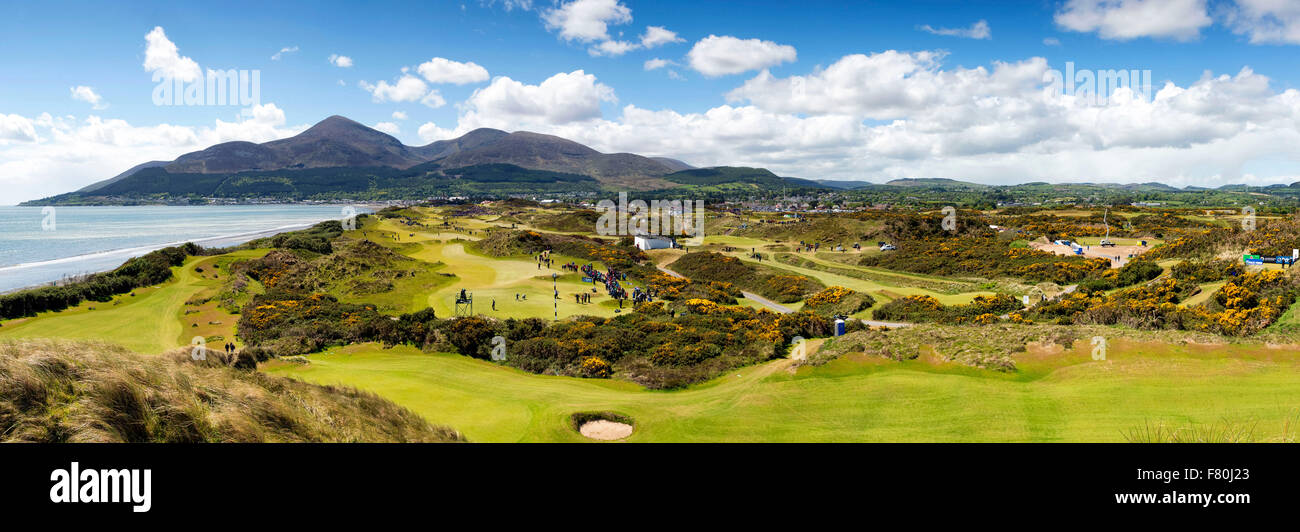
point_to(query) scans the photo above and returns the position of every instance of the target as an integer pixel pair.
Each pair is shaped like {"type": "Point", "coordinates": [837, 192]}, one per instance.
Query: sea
{"type": "Point", "coordinates": [43, 245]}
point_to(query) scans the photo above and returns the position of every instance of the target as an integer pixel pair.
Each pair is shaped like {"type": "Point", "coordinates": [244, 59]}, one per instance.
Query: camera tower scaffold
{"type": "Point", "coordinates": [464, 304]}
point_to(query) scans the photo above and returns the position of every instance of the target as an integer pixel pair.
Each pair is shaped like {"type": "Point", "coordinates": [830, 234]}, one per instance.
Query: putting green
{"type": "Point", "coordinates": [1057, 397]}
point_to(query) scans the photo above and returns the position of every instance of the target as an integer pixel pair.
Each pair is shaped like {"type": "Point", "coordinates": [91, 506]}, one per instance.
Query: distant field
{"type": "Point", "coordinates": [1057, 396]}
{"type": "Point", "coordinates": [883, 292]}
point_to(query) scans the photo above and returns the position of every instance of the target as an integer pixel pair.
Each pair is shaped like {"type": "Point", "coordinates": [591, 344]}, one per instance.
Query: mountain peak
{"type": "Point", "coordinates": [336, 124]}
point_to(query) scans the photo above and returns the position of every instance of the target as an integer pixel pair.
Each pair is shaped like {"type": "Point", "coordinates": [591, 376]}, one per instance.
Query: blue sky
{"type": "Point", "coordinates": [77, 106]}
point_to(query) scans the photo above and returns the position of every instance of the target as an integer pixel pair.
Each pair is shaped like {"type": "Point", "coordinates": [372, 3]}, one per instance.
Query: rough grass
{"type": "Point", "coordinates": [61, 391]}
{"type": "Point", "coordinates": [776, 284]}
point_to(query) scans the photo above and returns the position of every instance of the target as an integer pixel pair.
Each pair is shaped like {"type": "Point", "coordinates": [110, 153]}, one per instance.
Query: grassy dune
{"type": "Point", "coordinates": [60, 391]}
{"type": "Point", "coordinates": [1059, 396]}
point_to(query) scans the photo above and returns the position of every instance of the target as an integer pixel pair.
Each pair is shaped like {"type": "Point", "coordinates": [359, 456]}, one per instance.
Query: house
{"type": "Point", "coordinates": [648, 242]}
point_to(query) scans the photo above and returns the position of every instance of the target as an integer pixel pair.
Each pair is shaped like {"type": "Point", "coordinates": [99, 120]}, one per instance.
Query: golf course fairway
{"type": "Point", "coordinates": [1065, 397]}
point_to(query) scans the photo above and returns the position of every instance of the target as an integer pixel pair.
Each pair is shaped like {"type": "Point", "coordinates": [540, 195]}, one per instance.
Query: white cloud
{"type": "Point", "coordinates": [1051, 41]}
{"type": "Point", "coordinates": [1130, 19]}
{"type": "Point", "coordinates": [16, 128]}
{"type": "Point", "coordinates": [52, 155]}
{"type": "Point", "coordinates": [440, 70]}
{"type": "Point", "coordinates": [407, 88]}
{"type": "Point", "coordinates": [88, 95]}
{"type": "Point", "coordinates": [509, 5]}
{"type": "Point", "coordinates": [653, 37]}
{"type": "Point", "coordinates": [887, 85]}
{"type": "Point", "coordinates": [398, 115]}
{"type": "Point", "coordinates": [1265, 21]}
{"type": "Point", "coordinates": [716, 56]}
{"type": "Point", "coordinates": [979, 30]}
{"type": "Point", "coordinates": [659, 36]}
{"type": "Point", "coordinates": [434, 99]}
{"type": "Point", "coordinates": [430, 132]}
{"type": "Point", "coordinates": [612, 48]}
{"type": "Point", "coordinates": [560, 99]}
{"type": "Point", "coordinates": [388, 127]}
{"type": "Point", "coordinates": [285, 50]}
{"type": "Point", "coordinates": [902, 114]}
{"type": "Point", "coordinates": [586, 20]}
{"type": "Point", "coordinates": [657, 63]}
{"type": "Point", "coordinates": [162, 58]}
{"type": "Point", "coordinates": [341, 61]}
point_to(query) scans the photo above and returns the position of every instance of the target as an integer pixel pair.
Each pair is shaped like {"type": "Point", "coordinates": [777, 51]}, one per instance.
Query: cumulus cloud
{"type": "Point", "coordinates": [979, 30]}
{"type": "Point", "coordinates": [88, 95]}
{"type": "Point", "coordinates": [285, 50]}
{"type": "Point", "coordinates": [441, 70]}
{"type": "Point", "coordinates": [560, 99]}
{"type": "Point", "coordinates": [716, 55]}
{"type": "Point", "coordinates": [341, 61]}
{"type": "Point", "coordinates": [398, 115]}
{"type": "Point", "coordinates": [163, 58]}
{"type": "Point", "coordinates": [653, 37]}
{"type": "Point", "coordinates": [903, 114]}
{"type": "Point", "coordinates": [430, 132]}
{"type": "Point", "coordinates": [586, 20]}
{"type": "Point", "coordinates": [49, 155]}
{"type": "Point", "coordinates": [659, 36]}
{"type": "Point", "coordinates": [612, 48]}
{"type": "Point", "coordinates": [657, 63]}
{"type": "Point", "coordinates": [407, 88]}
{"type": "Point", "coordinates": [1130, 19]}
{"type": "Point", "coordinates": [388, 127]}
{"type": "Point", "coordinates": [16, 128]}
{"type": "Point", "coordinates": [1265, 21]}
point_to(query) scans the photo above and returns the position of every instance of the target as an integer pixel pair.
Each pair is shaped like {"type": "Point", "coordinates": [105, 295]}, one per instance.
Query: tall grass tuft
{"type": "Point", "coordinates": [63, 391]}
{"type": "Point", "coordinates": [1222, 431]}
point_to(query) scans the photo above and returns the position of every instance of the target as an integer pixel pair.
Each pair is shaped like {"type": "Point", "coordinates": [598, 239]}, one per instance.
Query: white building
{"type": "Point", "coordinates": [647, 242]}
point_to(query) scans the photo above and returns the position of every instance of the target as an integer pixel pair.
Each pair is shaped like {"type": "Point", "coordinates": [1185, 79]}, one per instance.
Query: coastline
{"type": "Point", "coordinates": [98, 261]}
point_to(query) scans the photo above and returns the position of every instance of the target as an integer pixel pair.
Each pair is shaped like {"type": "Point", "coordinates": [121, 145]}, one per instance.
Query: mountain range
{"type": "Point", "coordinates": [341, 158]}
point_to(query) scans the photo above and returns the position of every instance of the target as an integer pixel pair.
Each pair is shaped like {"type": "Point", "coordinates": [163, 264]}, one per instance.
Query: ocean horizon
{"type": "Point", "coordinates": [39, 246]}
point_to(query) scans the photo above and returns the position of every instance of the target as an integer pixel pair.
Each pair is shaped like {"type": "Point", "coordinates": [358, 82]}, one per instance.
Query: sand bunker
{"type": "Point", "coordinates": [603, 429]}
